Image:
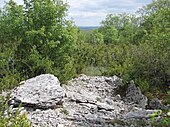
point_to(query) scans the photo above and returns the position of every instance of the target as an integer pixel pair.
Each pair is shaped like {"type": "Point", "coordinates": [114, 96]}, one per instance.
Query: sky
{"type": "Point", "coordinates": [92, 12]}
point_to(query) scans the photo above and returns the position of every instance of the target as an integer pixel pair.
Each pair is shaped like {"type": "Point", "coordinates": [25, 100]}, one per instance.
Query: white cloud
{"type": "Point", "coordinates": [2, 2]}
{"type": "Point", "coordinates": [91, 12]}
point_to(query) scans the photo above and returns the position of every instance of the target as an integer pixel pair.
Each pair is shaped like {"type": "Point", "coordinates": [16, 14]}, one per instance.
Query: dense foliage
{"type": "Point", "coordinates": [134, 47]}
{"type": "Point", "coordinates": [37, 38]}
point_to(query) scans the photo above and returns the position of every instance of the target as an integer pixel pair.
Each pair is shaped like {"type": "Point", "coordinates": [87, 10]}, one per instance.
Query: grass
{"type": "Point", "coordinates": [64, 111]}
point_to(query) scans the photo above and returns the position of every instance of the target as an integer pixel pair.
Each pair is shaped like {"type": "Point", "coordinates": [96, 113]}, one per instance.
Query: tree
{"type": "Point", "coordinates": [10, 20]}
{"type": "Point", "coordinates": [155, 19]}
{"type": "Point", "coordinates": [96, 37]}
{"type": "Point", "coordinates": [156, 26]}
{"type": "Point", "coordinates": [121, 28]}
{"type": "Point", "coordinates": [40, 38]}
{"type": "Point", "coordinates": [142, 50]}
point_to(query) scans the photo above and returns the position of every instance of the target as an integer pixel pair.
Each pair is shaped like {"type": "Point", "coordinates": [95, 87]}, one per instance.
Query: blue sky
{"type": "Point", "coordinates": [92, 12]}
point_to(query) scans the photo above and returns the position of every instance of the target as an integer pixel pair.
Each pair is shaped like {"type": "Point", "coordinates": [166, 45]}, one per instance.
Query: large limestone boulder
{"type": "Point", "coordinates": [87, 101]}
{"type": "Point", "coordinates": [42, 92]}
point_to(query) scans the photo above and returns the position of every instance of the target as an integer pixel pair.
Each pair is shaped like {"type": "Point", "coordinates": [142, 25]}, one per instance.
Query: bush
{"type": "Point", "coordinates": [143, 85]}
{"type": "Point", "coordinates": [9, 81]}
{"type": "Point", "coordinates": [163, 122]}
{"type": "Point", "coordinates": [9, 118]}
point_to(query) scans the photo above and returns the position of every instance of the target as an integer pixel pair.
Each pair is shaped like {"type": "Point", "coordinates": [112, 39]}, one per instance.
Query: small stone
{"type": "Point", "coordinates": [155, 104]}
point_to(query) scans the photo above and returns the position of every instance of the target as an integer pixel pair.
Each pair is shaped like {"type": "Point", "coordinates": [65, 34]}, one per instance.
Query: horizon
{"type": "Point", "coordinates": [90, 13]}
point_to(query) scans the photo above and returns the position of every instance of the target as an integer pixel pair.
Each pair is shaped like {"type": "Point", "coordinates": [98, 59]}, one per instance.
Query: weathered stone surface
{"type": "Point", "coordinates": [48, 118]}
{"type": "Point", "coordinates": [94, 85]}
{"type": "Point", "coordinates": [105, 106]}
{"type": "Point", "coordinates": [89, 101]}
{"type": "Point", "coordinates": [155, 104]}
{"type": "Point", "coordinates": [139, 114]}
{"type": "Point", "coordinates": [139, 118]}
{"type": "Point", "coordinates": [43, 91]}
{"type": "Point", "coordinates": [134, 94]}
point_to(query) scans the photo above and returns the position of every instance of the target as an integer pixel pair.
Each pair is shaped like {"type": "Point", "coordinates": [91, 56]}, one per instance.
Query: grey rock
{"type": "Point", "coordinates": [134, 94]}
{"type": "Point", "coordinates": [139, 118]}
{"type": "Point", "coordinates": [94, 85]}
{"type": "Point", "coordinates": [140, 114]}
{"type": "Point", "coordinates": [105, 106]}
{"type": "Point", "coordinates": [87, 101]}
{"type": "Point", "coordinates": [155, 104]}
{"type": "Point", "coordinates": [48, 118]}
{"type": "Point", "coordinates": [81, 98]}
{"type": "Point", "coordinates": [114, 80]}
{"type": "Point", "coordinates": [43, 91]}
{"type": "Point", "coordinates": [90, 106]}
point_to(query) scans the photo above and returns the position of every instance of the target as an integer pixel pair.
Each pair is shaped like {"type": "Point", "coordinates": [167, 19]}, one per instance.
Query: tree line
{"type": "Point", "coordinates": [36, 38]}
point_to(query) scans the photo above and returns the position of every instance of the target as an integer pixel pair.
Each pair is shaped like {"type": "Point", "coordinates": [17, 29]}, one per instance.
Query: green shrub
{"type": "Point", "coordinates": [9, 118]}
{"type": "Point", "coordinates": [9, 81]}
{"type": "Point", "coordinates": [164, 120]}
{"type": "Point", "coordinates": [143, 85]}
{"type": "Point", "coordinates": [94, 71]}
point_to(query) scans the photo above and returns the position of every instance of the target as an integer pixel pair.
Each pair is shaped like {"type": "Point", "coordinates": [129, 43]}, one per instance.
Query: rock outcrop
{"type": "Point", "coordinates": [42, 92]}
{"type": "Point", "coordinates": [85, 101]}
{"type": "Point", "coordinates": [134, 94]}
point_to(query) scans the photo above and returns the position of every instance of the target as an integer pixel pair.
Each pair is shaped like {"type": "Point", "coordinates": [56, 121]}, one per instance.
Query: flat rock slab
{"type": "Point", "coordinates": [42, 92]}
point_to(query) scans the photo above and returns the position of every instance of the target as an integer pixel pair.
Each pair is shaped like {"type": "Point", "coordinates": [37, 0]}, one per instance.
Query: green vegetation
{"type": "Point", "coordinates": [98, 99]}
{"type": "Point", "coordinates": [64, 111]}
{"type": "Point", "coordinates": [10, 118]}
{"type": "Point", "coordinates": [163, 122]}
{"type": "Point", "coordinates": [134, 47]}
{"type": "Point", "coordinates": [36, 38]}
{"type": "Point", "coordinates": [155, 114]}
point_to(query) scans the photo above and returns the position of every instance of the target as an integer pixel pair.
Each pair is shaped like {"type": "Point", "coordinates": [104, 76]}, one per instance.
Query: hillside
{"type": "Point", "coordinates": [88, 27]}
